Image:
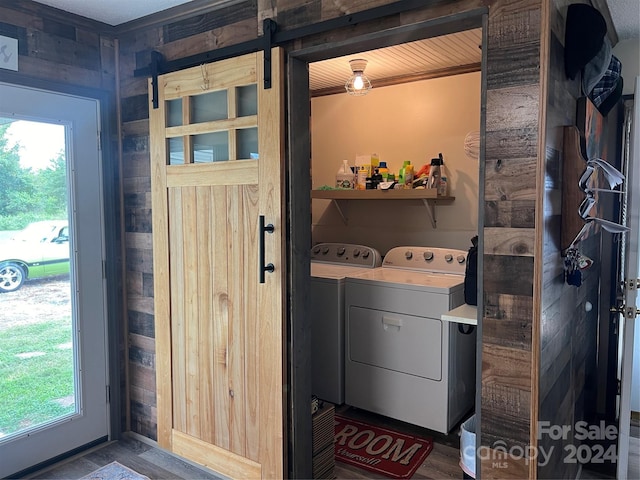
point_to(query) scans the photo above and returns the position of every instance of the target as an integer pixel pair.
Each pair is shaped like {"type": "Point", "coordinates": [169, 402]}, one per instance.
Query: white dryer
{"type": "Point", "coordinates": [401, 359]}
{"type": "Point", "coordinates": [330, 264]}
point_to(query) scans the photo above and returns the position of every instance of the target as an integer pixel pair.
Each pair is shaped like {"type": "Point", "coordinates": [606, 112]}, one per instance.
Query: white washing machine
{"type": "Point", "coordinates": [401, 359]}
{"type": "Point", "coordinates": [330, 264]}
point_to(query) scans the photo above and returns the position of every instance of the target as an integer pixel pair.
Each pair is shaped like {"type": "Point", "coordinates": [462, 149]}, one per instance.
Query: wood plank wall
{"type": "Point", "coordinates": [60, 47]}
{"type": "Point", "coordinates": [560, 301]}
{"type": "Point", "coordinates": [568, 333]}
{"type": "Point", "coordinates": [510, 236]}
{"type": "Point", "coordinates": [521, 257]}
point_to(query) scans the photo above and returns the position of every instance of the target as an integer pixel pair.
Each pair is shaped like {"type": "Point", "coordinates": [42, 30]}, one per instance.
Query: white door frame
{"type": "Point", "coordinates": [82, 118]}
{"type": "Point", "coordinates": [631, 275]}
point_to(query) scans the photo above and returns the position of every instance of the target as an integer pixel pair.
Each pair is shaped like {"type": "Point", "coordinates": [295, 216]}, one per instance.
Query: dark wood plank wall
{"type": "Point", "coordinates": [60, 47]}
{"type": "Point", "coordinates": [568, 333]}
{"type": "Point", "coordinates": [511, 184]}
{"type": "Point", "coordinates": [515, 322]}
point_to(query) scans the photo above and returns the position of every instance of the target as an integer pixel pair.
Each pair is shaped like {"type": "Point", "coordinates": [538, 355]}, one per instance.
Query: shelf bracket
{"type": "Point", "coordinates": [431, 211]}
{"type": "Point", "coordinates": [339, 209]}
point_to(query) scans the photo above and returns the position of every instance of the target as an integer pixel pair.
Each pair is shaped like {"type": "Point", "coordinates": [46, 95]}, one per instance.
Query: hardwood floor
{"type": "Point", "coordinates": [142, 457]}
{"type": "Point", "coordinates": [158, 464]}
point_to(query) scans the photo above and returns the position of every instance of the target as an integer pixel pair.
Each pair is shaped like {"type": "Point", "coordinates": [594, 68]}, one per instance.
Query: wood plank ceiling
{"type": "Point", "coordinates": [433, 57]}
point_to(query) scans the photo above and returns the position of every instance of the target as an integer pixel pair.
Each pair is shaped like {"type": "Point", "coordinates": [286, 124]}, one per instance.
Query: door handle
{"type": "Point", "coordinates": [262, 268]}
{"type": "Point", "coordinates": [391, 324]}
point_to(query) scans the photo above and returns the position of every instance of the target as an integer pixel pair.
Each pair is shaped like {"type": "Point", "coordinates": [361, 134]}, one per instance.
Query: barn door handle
{"type": "Point", "coordinates": [262, 267]}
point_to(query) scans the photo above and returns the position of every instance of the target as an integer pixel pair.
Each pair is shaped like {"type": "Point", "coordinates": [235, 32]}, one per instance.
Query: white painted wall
{"type": "Point", "coordinates": [628, 52]}
{"type": "Point", "coordinates": [413, 121]}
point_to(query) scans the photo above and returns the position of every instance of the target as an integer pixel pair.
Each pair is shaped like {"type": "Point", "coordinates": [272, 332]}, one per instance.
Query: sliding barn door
{"type": "Point", "coordinates": [216, 169]}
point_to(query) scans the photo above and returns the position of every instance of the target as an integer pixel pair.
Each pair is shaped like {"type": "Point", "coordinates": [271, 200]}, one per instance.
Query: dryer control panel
{"type": "Point", "coordinates": [427, 259]}
{"type": "Point", "coordinates": [346, 254]}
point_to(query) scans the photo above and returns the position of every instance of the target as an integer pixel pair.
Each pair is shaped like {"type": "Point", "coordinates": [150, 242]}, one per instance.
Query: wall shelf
{"type": "Point", "coordinates": [339, 198]}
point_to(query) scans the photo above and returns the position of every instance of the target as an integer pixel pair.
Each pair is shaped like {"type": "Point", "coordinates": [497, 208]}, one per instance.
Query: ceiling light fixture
{"type": "Point", "coordinates": [358, 83]}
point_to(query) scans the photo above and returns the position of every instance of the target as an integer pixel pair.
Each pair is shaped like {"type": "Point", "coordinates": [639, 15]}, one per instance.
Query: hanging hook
{"type": "Point", "coordinates": [205, 77]}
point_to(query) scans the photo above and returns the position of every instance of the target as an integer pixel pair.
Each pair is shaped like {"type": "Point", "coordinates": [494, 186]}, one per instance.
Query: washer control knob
{"type": "Point", "coordinates": [428, 255]}
{"type": "Point", "coordinates": [460, 258]}
{"type": "Point", "coordinates": [325, 250]}
{"type": "Point", "coordinates": [448, 257]}
{"type": "Point", "coordinates": [341, 251]}
{"type": "Point", "coordinates": [356, 252]}
{"type": "Point", "coordinates": [316, 250]}
{"type": "Point", "coordinates": [365, 254]}
{"type": "Point", "coordinates": [408, 255]}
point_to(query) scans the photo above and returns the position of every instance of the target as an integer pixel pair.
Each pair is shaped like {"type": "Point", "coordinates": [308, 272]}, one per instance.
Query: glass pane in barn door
{"type": "Point", "coordinates": [174, 113]}
{"type": "Point", "coordinates": [175, 150]}
{"type": "Point", "coordinates": [52, 327]}
{"type": "Point", "coordinates": [247, 100]}
{"type": "Point", "coordinates": [209, 107]}
{"type": "Point", "coordinates": [37, 380]}
{"type": "Point", "coordinates": [247, 143]}
{"type": "Point", "coordinates": [210, 147]}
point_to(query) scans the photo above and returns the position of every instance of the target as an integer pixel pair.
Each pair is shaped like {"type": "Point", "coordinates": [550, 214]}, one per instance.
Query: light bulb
{"type": "Point", "coordinates": [358, 83]}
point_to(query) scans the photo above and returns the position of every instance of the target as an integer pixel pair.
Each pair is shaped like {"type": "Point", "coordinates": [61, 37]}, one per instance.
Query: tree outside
{"type": "Point", "coordinates": [28, 195]}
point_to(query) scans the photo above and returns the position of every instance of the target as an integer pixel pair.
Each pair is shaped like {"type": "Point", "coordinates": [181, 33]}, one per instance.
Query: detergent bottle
{"type": "Point", "coordinates": [345, 177]}
{"type": "Point", "coordinates": [435, 172]}
{"type": "Point", "coordinates": [408, 175]}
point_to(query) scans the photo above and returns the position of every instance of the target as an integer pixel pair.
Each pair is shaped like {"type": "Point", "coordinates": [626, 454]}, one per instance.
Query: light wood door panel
{"type": "Point", "coordinates": [219, 332]}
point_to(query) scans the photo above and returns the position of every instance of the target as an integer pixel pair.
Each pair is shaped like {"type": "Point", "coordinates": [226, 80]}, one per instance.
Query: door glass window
{"type": "Point", "coordinates": [210, 147]}
{"type": "Point", "coordinates": [175, 149]}
{"type": "Point", "coordinates": [247, 140]}
{"type": "Point", "coordinates": [247, 100]}
{"type": "Point", "coordinates": [38, 371]}
{"type": "Point", "coordinates": [174, 112]}
{"type": "Point", "coordinates": [209, 107]}
{"type": "Point", "coordinates": [222, 126]}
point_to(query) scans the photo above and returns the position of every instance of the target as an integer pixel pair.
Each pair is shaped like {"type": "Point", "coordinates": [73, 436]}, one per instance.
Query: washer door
{"type": "Point", "coordinates": [397, 342]}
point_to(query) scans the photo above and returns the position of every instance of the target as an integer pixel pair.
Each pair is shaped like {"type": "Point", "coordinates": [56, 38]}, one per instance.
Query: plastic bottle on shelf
{"type": "Point", "coordinates": [408, 175]}
{"type": "Point", "coordinates": [363, 174]}
{"type": "Point", "coordinates": [443, 187]}
{"type": "Point", "coordinates": [383, 170]}
{"type": "Point", "coordinates": [375, 161]}
{"type": "Point", "coordinates": [443, 184]}
{"type": "Point", "coordinates": [376, 178]}
{"type": "Point", "coordinates": [345, 177]}
{"type": "Point", "coordinates": [435, 172]}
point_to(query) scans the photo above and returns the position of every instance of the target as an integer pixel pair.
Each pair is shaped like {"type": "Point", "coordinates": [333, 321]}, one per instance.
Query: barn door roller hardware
{"type": "Point", "coordinates": [159, 66]}
{"type": "Point", "coordinates": [272, 37]}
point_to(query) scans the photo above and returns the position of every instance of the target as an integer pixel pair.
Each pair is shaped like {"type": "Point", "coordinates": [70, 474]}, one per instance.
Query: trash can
{"type": "Point", "coordinates": [468, 447]}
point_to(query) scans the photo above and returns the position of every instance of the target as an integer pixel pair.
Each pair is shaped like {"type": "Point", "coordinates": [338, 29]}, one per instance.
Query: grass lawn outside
{"type": "Point", "coordinates": [36, 374]}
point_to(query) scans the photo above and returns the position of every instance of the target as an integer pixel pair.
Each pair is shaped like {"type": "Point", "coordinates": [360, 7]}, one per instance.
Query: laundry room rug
{"type": "Point", "coordinates": [380, 450]}
{"type": "Point", "coordinates": [114, 471]}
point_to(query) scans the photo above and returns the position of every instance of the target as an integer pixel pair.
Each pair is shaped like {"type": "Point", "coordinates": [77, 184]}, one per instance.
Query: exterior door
{"type": "Point", "coordinates": [53, 355]}
{"type": "Point", "coordinates": [216, 168]}
{"type": "Point", "coordinates": [631, 275]}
